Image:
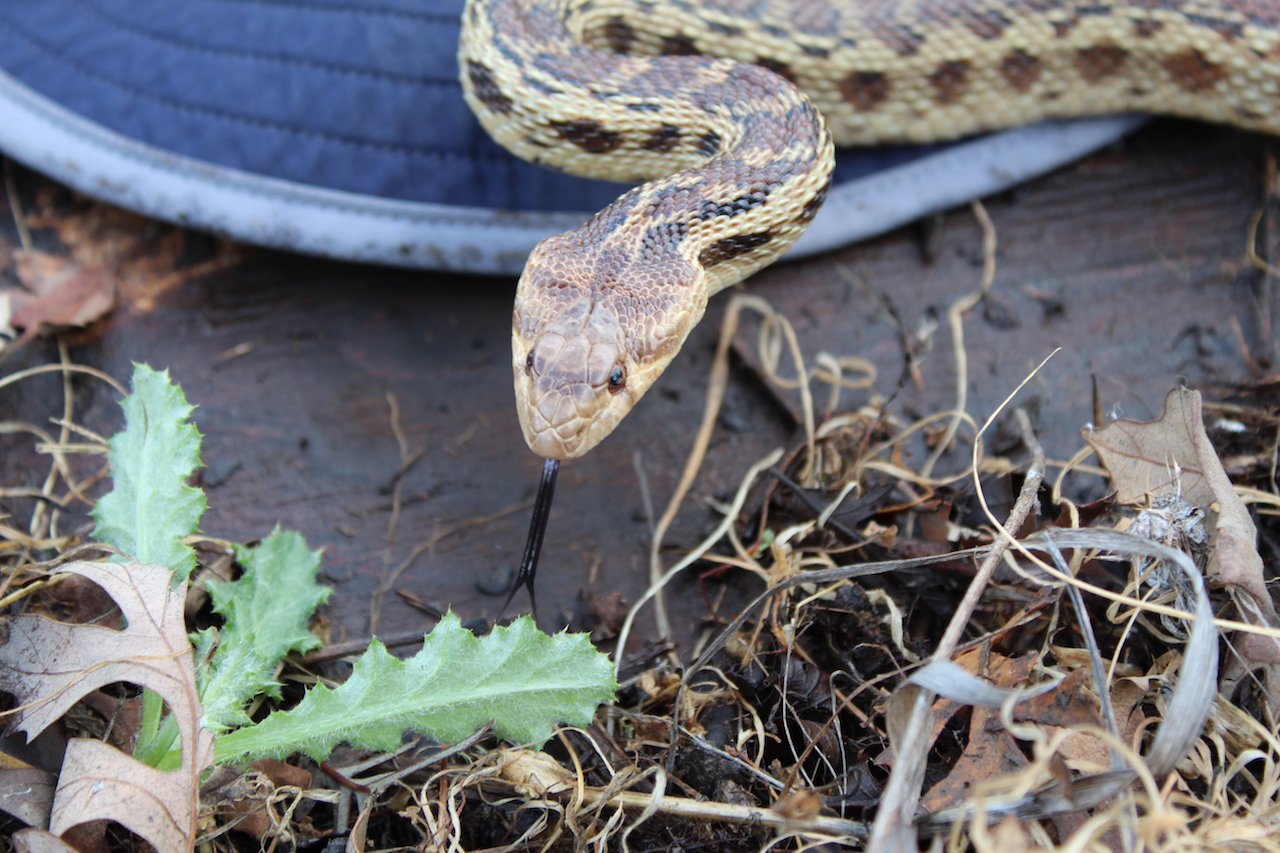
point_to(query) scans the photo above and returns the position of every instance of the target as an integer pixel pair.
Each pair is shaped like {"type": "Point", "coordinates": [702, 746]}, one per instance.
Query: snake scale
{"type": "Point", "coordinates": [705, 102]}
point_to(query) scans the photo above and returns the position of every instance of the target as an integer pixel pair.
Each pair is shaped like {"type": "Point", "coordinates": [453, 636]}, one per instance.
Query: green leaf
{"type": "Point", "coordinates": [158, 744]}
{"type": "Point", "coordinates": [523, 680]}
{"type": "Point", "coordinates": [266, 611]}
{"type": "Point", "coordinates": [150, 507]}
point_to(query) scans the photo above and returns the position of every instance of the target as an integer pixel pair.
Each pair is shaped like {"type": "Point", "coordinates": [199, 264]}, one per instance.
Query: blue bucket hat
{"type": "Point", "coordinates": [337, 128]}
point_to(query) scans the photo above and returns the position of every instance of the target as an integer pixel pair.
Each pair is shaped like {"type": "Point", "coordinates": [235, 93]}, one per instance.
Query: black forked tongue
{"type": "Point", "coordinates": [533, 545]}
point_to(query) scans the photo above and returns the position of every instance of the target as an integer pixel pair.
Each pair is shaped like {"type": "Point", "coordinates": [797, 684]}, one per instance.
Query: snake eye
{"type": "Point", "coordinates": [528, 362]}
{"type": "Point", "coordinates": [617, 378]}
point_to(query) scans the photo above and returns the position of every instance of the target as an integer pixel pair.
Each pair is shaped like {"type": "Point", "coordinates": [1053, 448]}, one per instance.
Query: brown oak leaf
{"type": "Point", "coordinates": [48, 666]}
{"type": "Point", "coordinates": [1173, 455]}
{"type": "Point", "coordinates": [990, 752]}
{"type": "Point", "coordinates": [60, 291]}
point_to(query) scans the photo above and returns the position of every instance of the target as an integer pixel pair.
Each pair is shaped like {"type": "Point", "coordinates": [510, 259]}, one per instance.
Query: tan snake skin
{"type": "Point", "coordinates": [742, 159]}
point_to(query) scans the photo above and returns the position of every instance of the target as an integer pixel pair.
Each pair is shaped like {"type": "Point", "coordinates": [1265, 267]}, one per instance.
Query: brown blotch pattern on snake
{"type": "Point", "coordinates": [731, 247]}
{"type": "Point", "coordinates": [1020, 69]}
{"type": "Point", "coordinates": [486, 88]}
{"type": "Point", "coordinates": [588, 135]}
{"type": "Point", "coordinates": [950, 81]}
{"type": "Point", "coordinates": [1192, 71]}
{"type": "Point", "coordinates": [865, 90]}
{"type": "Point", "coordinates": [1104, 60]}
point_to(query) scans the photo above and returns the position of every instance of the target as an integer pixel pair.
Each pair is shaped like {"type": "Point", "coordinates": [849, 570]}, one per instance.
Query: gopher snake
{"type": "Point", "coordinates": [742, 159]}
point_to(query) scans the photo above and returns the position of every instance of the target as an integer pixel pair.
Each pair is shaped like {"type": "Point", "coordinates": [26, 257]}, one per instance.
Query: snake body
{"type": "Point", "coordinates": [705, 102]}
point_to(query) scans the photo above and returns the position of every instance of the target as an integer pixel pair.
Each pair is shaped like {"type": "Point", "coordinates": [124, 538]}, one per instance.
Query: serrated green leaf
{"type": "Point", "coordinates": [523, 680]}
{"type": "Point", "coordinates": [266, 611]}
{"type": "Point", "coordinates": [150, 507]}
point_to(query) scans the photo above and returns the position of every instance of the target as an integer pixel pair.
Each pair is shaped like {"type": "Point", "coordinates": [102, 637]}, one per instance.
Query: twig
{"type": "Point", "coordinates": [722, 812]}
{"type": "Point", "coordinates": [1251, 245]}
{"type": "Point", "coordinates": [384, 780]}
{"type": "Point", "coordinates": [801, 493]}
{"type": "Point", "coordinates": [343, 780]}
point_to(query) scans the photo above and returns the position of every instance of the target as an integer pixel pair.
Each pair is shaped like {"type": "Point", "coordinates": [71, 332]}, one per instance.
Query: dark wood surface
{"type": "Point", "coordinates": [1132, 261]}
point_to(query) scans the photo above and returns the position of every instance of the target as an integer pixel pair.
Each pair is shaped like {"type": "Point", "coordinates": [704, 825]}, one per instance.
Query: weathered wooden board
{"type": "Point", "coordinates": [1133, 261]}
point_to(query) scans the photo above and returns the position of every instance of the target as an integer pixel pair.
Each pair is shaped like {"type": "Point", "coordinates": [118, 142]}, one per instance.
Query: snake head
{"type": "Point", "coordinates": [584, 353]}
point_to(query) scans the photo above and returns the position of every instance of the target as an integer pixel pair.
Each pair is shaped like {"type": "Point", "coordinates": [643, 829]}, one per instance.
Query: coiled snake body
{"type": "Point", "coordinates": [628, 90]}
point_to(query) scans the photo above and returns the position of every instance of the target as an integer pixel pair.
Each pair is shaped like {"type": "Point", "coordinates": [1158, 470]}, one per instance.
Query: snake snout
{"type": "Point", "coordinates": [567, 402]}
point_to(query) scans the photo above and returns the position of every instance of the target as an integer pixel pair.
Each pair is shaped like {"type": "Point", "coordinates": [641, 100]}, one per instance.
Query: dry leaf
{"type": "Point", "coordinates": [1173, 455]}
{"type": "Point", "coordinates": [1069, 705]}
{"type": "Point", "coordinates": [1148, 458]}
{"type": "Point", "coordinates": [534, 773]}
{"type": "Point", "coordinates": [27, 794]}
{"type": "Point", "coordinates": [124, 713]}
{"type": "Point", "coordinates": [60, 291]}
{"type": "Point", "coordinates": [236, 797]}
{"type": "Point", "coordinates": [77, 600]}
{"type": "Point", "coordinates": [39, 841]}
{"type": "Point", "coordinates": [1127, 698]}
{"type": "Point", "coordinates": [991, 751]}
{"type": "Point", "coordinates": [140, 255]}
{"type": "Point", "coordinates": [49, 666]}
{"type": "Point", "coordinates": [357, 840]}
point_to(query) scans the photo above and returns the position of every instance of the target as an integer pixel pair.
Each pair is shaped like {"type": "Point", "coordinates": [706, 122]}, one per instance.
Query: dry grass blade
{"type": "Point", "coordinates": [716, 385]}
{"type": "Point", "coordinates": [696, 554]}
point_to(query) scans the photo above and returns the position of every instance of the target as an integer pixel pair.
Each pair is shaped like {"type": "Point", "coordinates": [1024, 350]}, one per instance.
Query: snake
{"type": "Point", "coordinates": [726, 113]}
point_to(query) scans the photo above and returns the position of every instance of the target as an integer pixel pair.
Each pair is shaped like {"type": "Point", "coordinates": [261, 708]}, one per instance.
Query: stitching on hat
{"type": "Point", "coordinates": [352, 9]}
{"type": "Point", "coordinates": [281, 60]}
{"type": "Point", "coordinates": [178, 106]}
